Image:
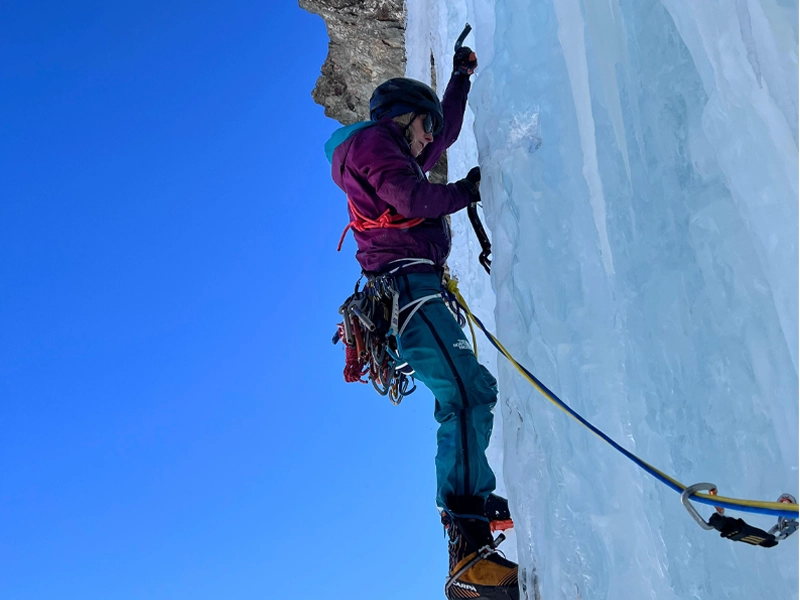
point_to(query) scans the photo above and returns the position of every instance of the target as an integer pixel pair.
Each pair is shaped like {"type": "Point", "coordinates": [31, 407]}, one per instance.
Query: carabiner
{"type": "Point", "coordinates": [785, 527]}
{"type": "Point", "coordinates": [692, 489]}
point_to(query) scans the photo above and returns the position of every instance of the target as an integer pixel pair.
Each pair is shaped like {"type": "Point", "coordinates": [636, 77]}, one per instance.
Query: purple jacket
{"type": "Point", "coordinates": [376, 170]}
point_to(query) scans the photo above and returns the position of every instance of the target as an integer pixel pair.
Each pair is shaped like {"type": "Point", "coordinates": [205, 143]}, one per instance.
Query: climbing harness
{"type": "Point", "coordinates": [387, 220]}
{"type": "Point", "coordinates": [785, 509]}
{"type": "Point", "coordinates": [370, 329]}
{"type": "Point", "coordinates": [372, 323]}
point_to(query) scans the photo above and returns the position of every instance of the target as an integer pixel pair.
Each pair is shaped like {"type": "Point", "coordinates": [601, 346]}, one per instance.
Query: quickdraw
{"type": "Point", "coordinates": [737, 529]}
{"type": "Point", "coordinates": [369, 328]}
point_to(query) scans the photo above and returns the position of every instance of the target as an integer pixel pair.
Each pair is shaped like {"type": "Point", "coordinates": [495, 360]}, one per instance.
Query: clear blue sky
{"type": "Point", "coordinates": [173, 419]}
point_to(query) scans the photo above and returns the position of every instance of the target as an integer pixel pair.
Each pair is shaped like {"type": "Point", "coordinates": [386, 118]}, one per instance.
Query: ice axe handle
{"type": "Point", "coordinates": [463, 36]}
{"type": "Point", "coordinates": [483, 239]}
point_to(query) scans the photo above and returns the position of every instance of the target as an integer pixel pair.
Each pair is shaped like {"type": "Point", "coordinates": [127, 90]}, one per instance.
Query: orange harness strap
{"type": "Point", "coordinates": [385, 221]}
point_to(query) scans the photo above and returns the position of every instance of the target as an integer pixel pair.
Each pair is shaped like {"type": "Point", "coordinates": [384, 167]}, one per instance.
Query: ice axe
{"type": "Point", "coordinates": [464, 58]}
{"type": "Point", "coordinates": [463, 36]}
{"type": "Point", "coordinates": [472, 209]}
{"type": "Point", "coordinates": [483, 239]}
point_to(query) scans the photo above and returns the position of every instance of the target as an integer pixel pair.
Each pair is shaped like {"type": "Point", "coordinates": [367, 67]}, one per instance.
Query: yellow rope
{"type": "Point", "coordinates": [451, 284]}
{"type": "Point", "coordinates": [452, 287]}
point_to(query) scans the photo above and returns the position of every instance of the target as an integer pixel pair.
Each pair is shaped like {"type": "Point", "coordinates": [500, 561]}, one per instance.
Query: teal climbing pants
{"type": "Point", "coordinates": [465, 391]}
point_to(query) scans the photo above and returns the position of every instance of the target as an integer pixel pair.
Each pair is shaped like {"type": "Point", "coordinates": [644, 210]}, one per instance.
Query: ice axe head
{"type": "Point", "coordinates": [463, 36]}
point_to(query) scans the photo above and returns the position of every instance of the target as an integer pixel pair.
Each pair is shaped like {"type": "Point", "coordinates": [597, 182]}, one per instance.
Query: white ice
{"type": "Point", "coordinates": [640, 185]}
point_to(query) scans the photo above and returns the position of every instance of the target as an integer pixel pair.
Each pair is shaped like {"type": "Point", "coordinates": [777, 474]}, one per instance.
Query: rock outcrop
{"type": "Point", "coordinates": [367, 47]}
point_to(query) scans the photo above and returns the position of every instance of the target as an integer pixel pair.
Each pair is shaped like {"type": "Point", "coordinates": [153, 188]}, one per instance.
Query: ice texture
{"type": "Point", "coordinates": [640, 185]}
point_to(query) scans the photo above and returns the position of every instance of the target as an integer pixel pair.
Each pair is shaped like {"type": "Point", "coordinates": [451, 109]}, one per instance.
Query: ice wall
{"type": "Point", "coordinates": [641, 188]}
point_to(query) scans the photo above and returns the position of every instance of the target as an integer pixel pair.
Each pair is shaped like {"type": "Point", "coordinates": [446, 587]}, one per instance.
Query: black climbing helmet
{"type": "Point", "coordinates": [402, 95]}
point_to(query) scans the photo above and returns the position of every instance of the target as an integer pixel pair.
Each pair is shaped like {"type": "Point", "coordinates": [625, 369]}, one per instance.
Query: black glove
{"type": "Point", "coordinates": [465, 61]}
{"type": "Point", "coordinates": [473, 182]}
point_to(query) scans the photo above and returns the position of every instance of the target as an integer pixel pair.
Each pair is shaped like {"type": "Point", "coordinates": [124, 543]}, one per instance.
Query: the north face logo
{"type": "Point", "coordinates": [462, 345]}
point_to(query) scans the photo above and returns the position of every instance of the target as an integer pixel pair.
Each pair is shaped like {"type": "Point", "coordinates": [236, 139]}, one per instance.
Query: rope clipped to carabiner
{"type": "Point", "coordinates": [737, 529]}
{"type": "Point", "coordinates": [785, 508]}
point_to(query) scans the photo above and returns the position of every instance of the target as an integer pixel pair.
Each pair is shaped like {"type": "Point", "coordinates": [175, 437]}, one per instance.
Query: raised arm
{"type": "Point", "coordinates": [454, 103]}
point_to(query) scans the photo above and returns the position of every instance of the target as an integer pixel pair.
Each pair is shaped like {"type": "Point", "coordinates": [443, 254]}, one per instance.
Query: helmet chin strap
{"type": "Point", "coordinates": [405, 133]}
{"type": "Point", "coordinates": [411, 122]}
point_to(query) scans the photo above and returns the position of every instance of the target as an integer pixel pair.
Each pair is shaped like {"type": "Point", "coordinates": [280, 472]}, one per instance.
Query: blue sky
{"type": "Point", "coordinates": [173, 419]}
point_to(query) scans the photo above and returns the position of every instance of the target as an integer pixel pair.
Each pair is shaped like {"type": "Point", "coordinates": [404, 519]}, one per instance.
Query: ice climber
{"type": "Point", "coordinates": [381, 166]}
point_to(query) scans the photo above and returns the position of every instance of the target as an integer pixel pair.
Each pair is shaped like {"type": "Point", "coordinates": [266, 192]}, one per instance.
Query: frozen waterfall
{"type": "Point", "coordinates": [640, 184]}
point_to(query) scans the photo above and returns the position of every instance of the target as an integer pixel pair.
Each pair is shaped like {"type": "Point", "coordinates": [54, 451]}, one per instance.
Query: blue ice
{"type": "Point", "coordinates": [641, 190]}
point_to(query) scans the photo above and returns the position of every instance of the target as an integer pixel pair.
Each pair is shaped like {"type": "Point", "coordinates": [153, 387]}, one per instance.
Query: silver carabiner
{"type": "Point", "coordinates": [697, 487]}
{"type": "Point", "coordinates": [785, 527]}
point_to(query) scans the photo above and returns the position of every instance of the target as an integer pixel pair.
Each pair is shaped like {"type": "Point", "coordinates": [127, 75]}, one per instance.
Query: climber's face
{"type": "Point", "coordinates": [421, 138]}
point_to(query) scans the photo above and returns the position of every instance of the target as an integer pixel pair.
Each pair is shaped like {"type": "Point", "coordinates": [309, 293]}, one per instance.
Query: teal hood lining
{"type": "Point", "coordinates": [342, 134]}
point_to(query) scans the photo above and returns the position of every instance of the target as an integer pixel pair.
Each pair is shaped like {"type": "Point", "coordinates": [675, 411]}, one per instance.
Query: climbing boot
{"type": "Point", "coordinates": [477, 571]}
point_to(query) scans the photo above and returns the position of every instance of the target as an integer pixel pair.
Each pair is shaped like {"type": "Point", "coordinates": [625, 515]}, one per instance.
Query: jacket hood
{"type": "Point", "coordinates": [338, 146]}
{"type": "Point", "coordinates": [341, 135]}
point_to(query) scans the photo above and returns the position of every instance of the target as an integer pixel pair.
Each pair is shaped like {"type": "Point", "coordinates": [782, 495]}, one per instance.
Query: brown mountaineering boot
{"type": "Point", "coordinates": [477, 571]}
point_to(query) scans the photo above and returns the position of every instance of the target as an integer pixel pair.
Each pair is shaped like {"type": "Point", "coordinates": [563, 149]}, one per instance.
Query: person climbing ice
{"type": "Point", "coordinates": [400, 226]}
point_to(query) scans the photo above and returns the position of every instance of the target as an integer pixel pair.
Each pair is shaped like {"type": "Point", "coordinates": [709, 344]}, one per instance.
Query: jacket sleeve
{"type": "Point", "coordinates": [401, 184]}
{"type": "Point", "coordinates": [454, 104]}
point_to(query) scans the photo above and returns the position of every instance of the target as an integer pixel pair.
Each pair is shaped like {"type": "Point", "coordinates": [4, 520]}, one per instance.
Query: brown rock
{"type": "Point", "coordinates": [367, 47]}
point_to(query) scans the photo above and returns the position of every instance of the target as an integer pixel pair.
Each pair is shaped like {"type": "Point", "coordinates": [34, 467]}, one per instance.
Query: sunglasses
{"type": "Point", "coordinates": [427, 124]}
